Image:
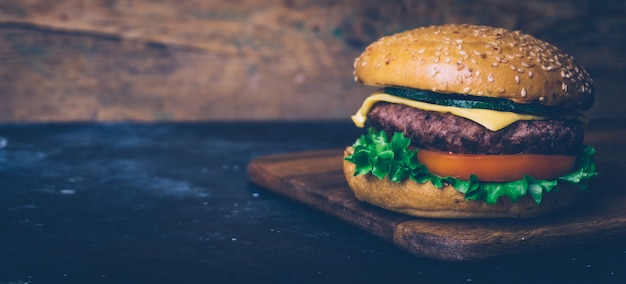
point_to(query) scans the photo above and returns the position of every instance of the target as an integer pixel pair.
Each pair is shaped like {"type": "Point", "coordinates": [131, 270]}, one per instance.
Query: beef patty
{"type": "Point", "coordinates": [446, 132]}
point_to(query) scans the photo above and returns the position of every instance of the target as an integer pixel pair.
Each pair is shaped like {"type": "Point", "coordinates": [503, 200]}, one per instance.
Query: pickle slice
{"type": "Point", "coordinates": [468, 101]}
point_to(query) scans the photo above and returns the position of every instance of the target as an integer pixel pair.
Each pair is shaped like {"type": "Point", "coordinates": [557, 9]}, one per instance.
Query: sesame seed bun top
{"type": "Point", "coordinates": [479, 61]}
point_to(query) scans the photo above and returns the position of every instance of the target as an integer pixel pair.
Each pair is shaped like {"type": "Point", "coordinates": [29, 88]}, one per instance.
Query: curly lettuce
{"type": "Point", "coordinates": [382, 156]}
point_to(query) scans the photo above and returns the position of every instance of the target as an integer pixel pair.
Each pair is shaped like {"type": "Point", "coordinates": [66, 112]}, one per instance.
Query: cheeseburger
{"type": "Point", "coordinates": [470, 122]}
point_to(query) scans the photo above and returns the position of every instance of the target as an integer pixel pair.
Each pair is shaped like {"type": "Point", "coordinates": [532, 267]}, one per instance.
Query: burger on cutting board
{"type": "Point", "coordinates": [470, 122]}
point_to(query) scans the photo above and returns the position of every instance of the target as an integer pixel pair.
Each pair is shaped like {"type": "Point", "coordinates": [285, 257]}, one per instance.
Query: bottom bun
{"type": "Point", "coordinates": [425, 200]}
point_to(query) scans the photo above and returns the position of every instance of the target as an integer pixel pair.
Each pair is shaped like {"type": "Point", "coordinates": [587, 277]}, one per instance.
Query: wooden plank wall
{"type": "Point", "coordinates": [108, 60]}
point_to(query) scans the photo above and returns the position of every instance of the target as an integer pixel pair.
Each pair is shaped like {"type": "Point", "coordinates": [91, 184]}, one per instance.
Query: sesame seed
{"type": "Point", "coordinates": [523, 92]}
{"type": "Point", "coordinates": [479, 93]}
{"type": "Point", "coordinates": [530, 74]}
{"type": "Point", "coordinates": [466, 89]}
{"type": "Point", "coordinates": [448, 60]}
{"type": "Point", "coordinates": [501, 90]}
{"type": "Point", "coordinates": [495, 64]}
{"type": "Point", "coordinates": [363, 64]}
{"type": "Point", "coordinates": [564, 87]}
{"type": "Point", "coordinates": [562, 74]}
{"type": "Point", "coordinates": [421, 61]}
{"type": "Point", "coordinates": [516, 79]}
{"type": "Point", "coordinates": [477, 73]}
{"type": "Point", "coordinates": [421, 51]}
{"type": "Point", "coordinates": [541, 99]}
{"type": "Point", "coordinates": [544, 67]}
{"type": "Point", "coordinates": [490, 77]}
{"type": "Point", "coordinates": [460, 66]}
{"type": "Point", "coordinates": [459, 79]}
{"type": "Point", "coordinates": [436, 59]}
{"type": "Point", "coordinates": [434, 71]}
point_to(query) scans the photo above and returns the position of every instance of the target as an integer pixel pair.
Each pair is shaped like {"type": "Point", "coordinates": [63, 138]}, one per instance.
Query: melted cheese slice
{"type": "Point", "coordinates": [490, 119]}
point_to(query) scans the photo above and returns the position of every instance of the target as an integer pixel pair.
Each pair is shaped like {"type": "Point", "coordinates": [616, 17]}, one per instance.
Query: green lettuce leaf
{"type": "Point", "coordinates": [377, 154]}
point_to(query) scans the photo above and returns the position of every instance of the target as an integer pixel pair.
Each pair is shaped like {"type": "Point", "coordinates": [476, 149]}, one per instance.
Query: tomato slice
{"type": "Point", "coordinates": [498, 168]}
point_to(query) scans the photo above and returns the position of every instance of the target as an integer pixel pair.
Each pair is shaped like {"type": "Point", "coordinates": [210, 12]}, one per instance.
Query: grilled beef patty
{"type": "Point", "coordinates": [446, 132]}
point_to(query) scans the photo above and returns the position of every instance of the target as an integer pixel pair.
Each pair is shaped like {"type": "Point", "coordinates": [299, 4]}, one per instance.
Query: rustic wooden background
{"type": "Point", "coordinates": [108, 60]}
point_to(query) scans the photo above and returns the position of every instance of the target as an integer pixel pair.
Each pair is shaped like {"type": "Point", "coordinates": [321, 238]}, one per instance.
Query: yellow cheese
{"type": "Point", "coordinates": [490, 119]}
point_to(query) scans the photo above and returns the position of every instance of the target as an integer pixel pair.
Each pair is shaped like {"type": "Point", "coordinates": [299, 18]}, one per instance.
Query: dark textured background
{"type": "Point", "coordinates": [169, 60]}
{"type": "Point", "coordinates": [171, 203]}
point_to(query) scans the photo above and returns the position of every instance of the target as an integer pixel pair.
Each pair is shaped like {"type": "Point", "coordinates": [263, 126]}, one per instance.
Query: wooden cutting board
{"type": "Point", "coordinates": [315, 178]}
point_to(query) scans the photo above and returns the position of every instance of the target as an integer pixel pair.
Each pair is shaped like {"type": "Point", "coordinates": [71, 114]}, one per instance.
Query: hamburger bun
{"type": "Point", "coordinates": [425, 200]}
{"type": "Point", "coordinates": [478, 61]}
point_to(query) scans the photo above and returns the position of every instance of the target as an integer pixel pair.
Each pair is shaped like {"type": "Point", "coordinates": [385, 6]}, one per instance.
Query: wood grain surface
{"type": "Point", "coordinates": [315, 178]}
{"type": "Point", "coordinates": [111, 60]}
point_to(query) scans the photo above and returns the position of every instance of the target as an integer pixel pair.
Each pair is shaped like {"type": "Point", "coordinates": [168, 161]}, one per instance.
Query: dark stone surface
{"type": "Point", "coordinates": [136, 203]}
